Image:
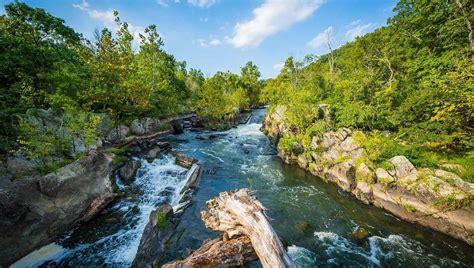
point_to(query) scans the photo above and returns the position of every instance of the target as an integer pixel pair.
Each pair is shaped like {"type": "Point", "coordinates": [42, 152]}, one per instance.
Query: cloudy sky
{"type": "Point", "coordinates": [221, 35]}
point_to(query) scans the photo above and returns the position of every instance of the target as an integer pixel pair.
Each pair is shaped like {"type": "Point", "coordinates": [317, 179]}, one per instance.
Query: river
{"type": "Point", "coordinates": [314, 219]}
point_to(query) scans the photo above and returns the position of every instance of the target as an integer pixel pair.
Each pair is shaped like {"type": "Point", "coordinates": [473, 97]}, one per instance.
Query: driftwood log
{"type": "Point", "coordinates": [242, 219]}
{"type": "Point", "coordinates": [219, 252]}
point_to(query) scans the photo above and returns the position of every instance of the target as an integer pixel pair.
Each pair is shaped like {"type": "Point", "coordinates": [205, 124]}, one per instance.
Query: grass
{"type": "Point", "coordinates": [452, 201]}
{"type": "Point", "coordinates": [381, 148]}
{"type": "Point", "coordinates": [161, 219]}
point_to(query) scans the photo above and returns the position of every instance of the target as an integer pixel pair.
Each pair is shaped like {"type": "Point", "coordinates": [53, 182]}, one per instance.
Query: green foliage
{"type": "Point", "coordinates": [47, 65]}
{"type": "Point", "coordinates": [161, 219]}
{"type": "Point", "coordinates": [455, 200]}
{"type": "Point", "coordinates": [413, 79]}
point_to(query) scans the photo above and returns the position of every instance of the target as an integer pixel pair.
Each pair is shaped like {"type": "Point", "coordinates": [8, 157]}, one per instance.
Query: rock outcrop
{"type": "Point", "coordinates": [33, 211]}
{"type": "Point", "coordinates": [433, 198]}
{"type": "Point", "coordinates": [163, 221]}
{"type": "Point", "coordinates": [157, 233]}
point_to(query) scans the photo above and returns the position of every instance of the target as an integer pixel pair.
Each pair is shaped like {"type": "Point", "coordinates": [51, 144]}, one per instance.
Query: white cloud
{"type": "Point", "coordinates": [279, 66]}
{"type": "Point", "coordinates": [356, 22]}
{"type": "Point", "coordinates": [357, 30]}
{"type": "Point", "coordinates": [322, 38]}
{"type": "Point", "coordinates": [271, 17]}
{"type": "Point", "coordinates": [162, 3]}
{"type": "Point", "coordinates": [202, 3]}
{"type": "Point", "coordinates": [204, 43]}
{"type": "Point", "coordinates": [205, 19]}
{"type": "Point", "coordinates": [107, 18]}
{"type": "Point", "coordinates": [215, 42]}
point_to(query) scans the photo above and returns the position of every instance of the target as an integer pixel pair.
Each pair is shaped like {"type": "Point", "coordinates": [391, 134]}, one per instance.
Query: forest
{"type": "Point", "coordinates": [409, 86]}
{"type": "Point", "coordinates": [47, 65]}
{"type": "Point", "coordinates": [115, 152]}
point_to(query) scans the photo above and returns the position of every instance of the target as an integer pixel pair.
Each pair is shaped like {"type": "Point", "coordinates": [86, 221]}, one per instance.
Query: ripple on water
{"type": "Point", "coordinates": [393, 250]}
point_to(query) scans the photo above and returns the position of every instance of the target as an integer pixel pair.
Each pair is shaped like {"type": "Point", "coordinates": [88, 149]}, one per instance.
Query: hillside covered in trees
{"type": "Point", "coordinates": [409, 86]}
{"type": "Point", "coordinates": [46, 65]}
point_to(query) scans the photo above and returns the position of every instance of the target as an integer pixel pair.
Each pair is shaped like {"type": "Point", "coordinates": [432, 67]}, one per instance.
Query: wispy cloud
{"type": "Point", "coordinates": [202, 3]}
{"type": "Point", "coordinates": [107, 18]}
{"type": "Point", "coordinates": [357, 29]}
{"type": "Point", "coordinates": [215, 42]}
{"type": "Point", "coordinates": [204, 43]}
{"type": "Point", "coordinates": [271, 17]}
{"type": "Point", "coordinates": [322, 38]}
{"type": "Point", "coordinates": [278, 66]}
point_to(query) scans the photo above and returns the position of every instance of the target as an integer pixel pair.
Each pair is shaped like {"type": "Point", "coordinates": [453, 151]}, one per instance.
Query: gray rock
{"type": "Point", "coordinates": [145, 126]}
{"type": "Point", "coordinates": [117, 134]}
{"type": "Point", "coordinates": [153, 153]}
{"type": "Point", "coordinates": [19, 166]}
{"type": "Point", "coordinates": [364, 173]}
{"type": "Point", "coordinates": [39, 209]}
{"type": "Point", "coordinates": [383, 176]}
{"type": "Point", "coordinates": [183, 160]}
{"type": "Point", "coordinates": [157, 233]}
{"type": "Point", "coordinates": [105, 125]}
{"type": "Point", "coordinates": [403, 167]}
{"type": "Point", "coordinates": [176, 126]}
{"type": "Point", "coordinates": [129, 170]}
{"type": "Point", "coordinates": [348, 145]}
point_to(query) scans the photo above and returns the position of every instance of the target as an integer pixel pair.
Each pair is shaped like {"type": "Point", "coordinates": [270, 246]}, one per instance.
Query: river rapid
{"type": "Point", "coordinates": [316, 222]}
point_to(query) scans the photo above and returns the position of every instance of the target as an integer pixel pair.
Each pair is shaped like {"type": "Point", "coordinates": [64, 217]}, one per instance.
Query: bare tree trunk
{"type": "Point", "coordinates": [467, 21]}
{"type": "Point", "coordinates": [332, 60]}
{"type": "Point", "coordinates": [219, 252]}
{"type": "Point", "coordinates": [239, 213]}
{"type": "Point", "coordinates": [246, 232]}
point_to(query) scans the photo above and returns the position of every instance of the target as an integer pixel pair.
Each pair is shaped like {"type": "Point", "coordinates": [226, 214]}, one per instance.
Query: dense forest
{"type": "Point", "coordinates": [46, 65]}
{"type": "Point", "coordinates": [409, 86]}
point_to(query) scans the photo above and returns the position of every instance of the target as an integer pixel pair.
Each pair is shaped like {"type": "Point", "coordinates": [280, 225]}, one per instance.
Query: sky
{"type": "Point", "coordinates": [222, 35]}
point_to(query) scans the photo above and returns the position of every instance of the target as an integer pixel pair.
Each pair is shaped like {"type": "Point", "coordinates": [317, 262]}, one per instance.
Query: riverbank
{"type": "Point", "coordinates": [434, 198]}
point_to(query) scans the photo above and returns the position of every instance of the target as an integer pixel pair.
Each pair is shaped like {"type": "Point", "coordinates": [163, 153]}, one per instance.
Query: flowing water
{"type": "Point", "coordinates": [314, 219]}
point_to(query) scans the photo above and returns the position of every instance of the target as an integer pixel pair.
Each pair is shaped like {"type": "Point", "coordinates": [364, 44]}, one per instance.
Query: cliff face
{"type": "Point", "coordinates": [35, 210]}
{"type": "Point", "coordinates": [415, 195]}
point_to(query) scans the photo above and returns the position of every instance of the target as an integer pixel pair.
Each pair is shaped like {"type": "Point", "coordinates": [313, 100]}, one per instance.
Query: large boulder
{"type": "Point", "coordinates": [20, 166]}
{"type": "Point", "coordinates": [156, 235]}
{"type": "Point", "coordinates": [145, 126]}
{"type": "Point", "coordinates": [129, 170]}
{"type": "Point", "coordinates": [153, 153]}
{"type": "Point", "coordinates": [176, 126]}
{"type": "Point", "coordinates": [118, 134]}
{"type": "Point", "coordinates": [183, 160]}
{"type": "Point", "coordinates": [33, 211]}
{"type": "Point", "coordinates": [402, 166]}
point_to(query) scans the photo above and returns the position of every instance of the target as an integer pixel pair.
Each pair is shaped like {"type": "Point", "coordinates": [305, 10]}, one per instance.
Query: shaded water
{"type": "Point", "coordinates": [314, 219]}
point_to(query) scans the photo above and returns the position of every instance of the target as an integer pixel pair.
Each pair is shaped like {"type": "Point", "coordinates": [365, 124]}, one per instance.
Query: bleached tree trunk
{"type": "Point", "coordinates": [219, 252]}
{"type": "Point", "coordinates": [246, 232]}
{"type": "Point", "coordinates": [239, 213]}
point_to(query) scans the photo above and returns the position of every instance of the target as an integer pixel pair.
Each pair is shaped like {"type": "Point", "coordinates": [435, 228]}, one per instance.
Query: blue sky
{"type": "Point", "coordinates": [221, 35]}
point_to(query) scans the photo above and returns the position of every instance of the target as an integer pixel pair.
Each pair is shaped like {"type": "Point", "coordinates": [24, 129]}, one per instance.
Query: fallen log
{"type": "Point", "coordinates": [219, 252]}
{"type": "Point", "coordinates": [242, 218]}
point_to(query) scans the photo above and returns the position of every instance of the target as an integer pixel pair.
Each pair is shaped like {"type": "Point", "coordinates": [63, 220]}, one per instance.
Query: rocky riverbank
{"type": "Point", "coordinates": [431, 197]}
{"type": "Point", "coordinates": [34, 210]}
